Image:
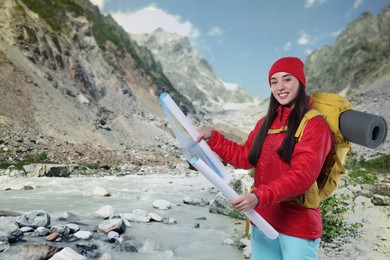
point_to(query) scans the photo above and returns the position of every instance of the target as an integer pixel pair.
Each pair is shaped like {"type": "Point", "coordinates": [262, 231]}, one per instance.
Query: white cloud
{"type": "Point", "coordinates": [287, 46]}
{"type": "Point", "coordinates": [310, 3]}
{"type": "Point", "coordinates": [337, 33]}
{"type": "Point", "coordinates": [308, 51]}
{"type": "Point", "coordinates": [98, 3]}
{"type": "Point", "coordinates": [244, 54]}
{"type": "Point", "coordinates": [357, 4]}
{"type": "Point", "coordinates": [215, 31]}
{"type": "Point", "coordinates": [304, 39]}
{"type": "Point", "coordinates": [151, 18]}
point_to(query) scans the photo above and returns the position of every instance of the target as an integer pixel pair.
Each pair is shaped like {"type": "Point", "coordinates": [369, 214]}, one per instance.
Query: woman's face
{"type": "Point", "coordinates": [284, 88]}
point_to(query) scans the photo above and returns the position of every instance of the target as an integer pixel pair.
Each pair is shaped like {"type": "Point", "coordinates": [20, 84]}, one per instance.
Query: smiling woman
{"type": "Point", "coordinates": [283, 167]}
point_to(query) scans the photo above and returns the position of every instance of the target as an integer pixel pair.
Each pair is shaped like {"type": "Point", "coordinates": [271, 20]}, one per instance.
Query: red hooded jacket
{"type": "Point", "coordinates": [276, 180]}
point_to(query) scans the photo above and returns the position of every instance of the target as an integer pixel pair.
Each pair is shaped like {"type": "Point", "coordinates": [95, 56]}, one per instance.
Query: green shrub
{"type": "Point", "coordinates": [42, 157]}
{"type": "Point", "coordinates": [380, 164]}
{"type": "Point", "coordinates": [235, 214]}
{"type": "Point", "coordinates": [251, 173]}
{"type": "Point", "coordinates": [334, 225]}
{"type": "Point", "coordinates": [361, 176]}
{"type": "Point", "coordinates": [18, 165]}
{"type": "Point", "coordinates": [361, 171]}
{"type": "Point", "coordinates": [35, 158]}
{"type": "Point", "coordinates": [53, 11]}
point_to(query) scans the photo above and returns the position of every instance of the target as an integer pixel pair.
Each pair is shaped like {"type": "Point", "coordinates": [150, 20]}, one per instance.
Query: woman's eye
{"type": "Point", "coordinates": [287, 79]}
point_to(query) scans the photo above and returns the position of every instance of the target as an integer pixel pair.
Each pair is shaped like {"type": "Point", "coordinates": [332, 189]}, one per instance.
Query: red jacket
{"type": "Point", "coordinates": [275, 180]}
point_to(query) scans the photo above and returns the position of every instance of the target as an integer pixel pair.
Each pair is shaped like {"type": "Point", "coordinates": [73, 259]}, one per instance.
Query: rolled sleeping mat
{"type": "Point", "coordinates": [363, 128]}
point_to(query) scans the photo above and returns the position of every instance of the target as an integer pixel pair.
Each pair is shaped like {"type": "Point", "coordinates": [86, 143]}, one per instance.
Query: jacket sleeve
{"type": "Point", "coordinates": [232, 152]}
{"type": "Point", "coordinates": [305, 166]}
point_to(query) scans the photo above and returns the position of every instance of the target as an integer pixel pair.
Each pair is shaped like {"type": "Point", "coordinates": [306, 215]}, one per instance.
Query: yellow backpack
{"type": "Point", "coordinates": [330, 106]}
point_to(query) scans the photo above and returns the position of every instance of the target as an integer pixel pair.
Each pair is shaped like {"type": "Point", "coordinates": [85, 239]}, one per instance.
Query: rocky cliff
{"type": "Point", "coordinates": [359, 56]}
{"type": "Point", "coordinates": [228, 105]}
{"type": "Point", "coordinates": [189, 72]}
{"type": "Point", "coordinates": [73, 91]}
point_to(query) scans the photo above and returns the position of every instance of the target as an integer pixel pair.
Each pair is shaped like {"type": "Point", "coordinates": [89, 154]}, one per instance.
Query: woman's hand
{"type": "Point", "coordinates": [245, 202]}
{"type": "Point", "coordinates": [206, 135]}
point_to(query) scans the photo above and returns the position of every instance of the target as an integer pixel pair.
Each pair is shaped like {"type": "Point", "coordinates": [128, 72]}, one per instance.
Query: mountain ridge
{"type": "Point", "coordinates": [360, 54]}
{"type": "Point", "coordinates": [80, 95]}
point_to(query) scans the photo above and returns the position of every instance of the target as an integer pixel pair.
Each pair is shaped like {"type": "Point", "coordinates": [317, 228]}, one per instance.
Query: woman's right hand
{"type": "Point", "coordinates": [206, 135]}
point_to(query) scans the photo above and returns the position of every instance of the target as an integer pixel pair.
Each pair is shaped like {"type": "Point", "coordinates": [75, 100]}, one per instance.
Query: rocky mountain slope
{"type": "Point", "coordinates": [360, 55]}
{"type": "Point", "coordinates": [189, 72]}
{"type": "Point", "coordinates": [193, 76]}
{"type": "Point", "coordinates": [76, 88]}
{"type": "Point", "coordinates": [71, 95]}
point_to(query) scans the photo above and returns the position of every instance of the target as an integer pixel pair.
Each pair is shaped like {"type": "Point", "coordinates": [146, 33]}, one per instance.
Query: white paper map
{"type": "Point", "coordinates": [204, 160]}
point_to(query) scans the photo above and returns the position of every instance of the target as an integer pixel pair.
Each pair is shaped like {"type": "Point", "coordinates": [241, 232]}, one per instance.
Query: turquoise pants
{"type": "Point", "coordinates": [283, 248]}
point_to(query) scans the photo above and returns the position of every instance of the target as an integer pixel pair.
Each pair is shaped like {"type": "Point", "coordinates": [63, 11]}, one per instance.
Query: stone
{"type": "Point", "coordinates": [155, 217]}
{"type": "Point", "coordinates": [26, 229]}
{"type": "Point", "coordinates": [68, 253]}
{"type": "Point", "coordinates": [42, 231]}
{"type": "Point", "coordinates": [101, 192]}
{"type": "Point", "coordinates": [61, 229]}
{"type": "Point", "coordinates": [34, 219]}
{"type": "Point", "coordinates": [380, 200]}
{"type": "Point", "coordinates": [73, 227]}
{"type": "Point", "coordinates": [116, 225]}
{"type": "Point", "coordinates": [194, 201]}
{"type": "Point", "coordinates": [9, 231]}
{"type": "Point", "coordinates": [112, 236]}
{"type": "Point", "coordinates": [84, 235]}
{"type": "Point", "coordinates": [137, 215]}
{"type": "Point", "coordinates": [105, 212]}
{"type": "Point", "coordinates": [52, 236]}
{"type": "Point", "coordinates": [162, 204]}
{"type": "Point", "coordinates": [47, 170]}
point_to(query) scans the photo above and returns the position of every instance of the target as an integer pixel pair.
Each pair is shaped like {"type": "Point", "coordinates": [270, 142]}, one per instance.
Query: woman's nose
{"type": "Point", "coordinates": [280, 86]}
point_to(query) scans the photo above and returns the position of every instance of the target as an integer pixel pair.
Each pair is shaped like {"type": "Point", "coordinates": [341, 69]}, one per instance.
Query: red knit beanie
{"type": "Point", "coordinates": [292, 65]}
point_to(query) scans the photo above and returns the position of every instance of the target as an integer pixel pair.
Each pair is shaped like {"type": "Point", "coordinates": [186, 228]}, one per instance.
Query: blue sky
{"type": "Point", "coordinates": [242, 38]}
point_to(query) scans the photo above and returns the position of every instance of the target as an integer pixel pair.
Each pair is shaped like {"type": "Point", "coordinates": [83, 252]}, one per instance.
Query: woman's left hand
{"type": "Point", "coordinates": [245, 202]}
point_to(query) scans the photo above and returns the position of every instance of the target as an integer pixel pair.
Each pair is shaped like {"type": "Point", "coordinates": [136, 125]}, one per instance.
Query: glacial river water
{"type": "Point", "coordinates": [177, 241]}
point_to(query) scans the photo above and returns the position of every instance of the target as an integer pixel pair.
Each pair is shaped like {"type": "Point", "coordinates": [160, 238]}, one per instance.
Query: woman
{"type": "Point", "coordinates": [284, 168]}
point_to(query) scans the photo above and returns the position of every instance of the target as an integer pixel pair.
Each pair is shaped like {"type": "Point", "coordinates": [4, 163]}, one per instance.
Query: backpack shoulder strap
{"type": "Point", "coordinates": [277, 131]}
{"type": "Point", "coordinates": [310, 114]}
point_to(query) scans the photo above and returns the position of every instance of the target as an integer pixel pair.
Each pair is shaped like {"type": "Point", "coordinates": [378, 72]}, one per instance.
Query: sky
{"type": "Point", "coordinates": [242, 38]}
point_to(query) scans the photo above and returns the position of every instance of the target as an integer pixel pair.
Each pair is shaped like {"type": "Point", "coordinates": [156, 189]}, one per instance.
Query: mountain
{"type": "Point", "coordinates": [189, 72]}
{"type": "Point", "coordinates": [360, 55]}
{"type": "Point", "coordinates": [194, 77]}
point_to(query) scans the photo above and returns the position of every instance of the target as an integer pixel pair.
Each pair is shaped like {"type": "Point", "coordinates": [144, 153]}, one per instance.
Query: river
{"type": "Point", "coordinates": [182, 240]}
